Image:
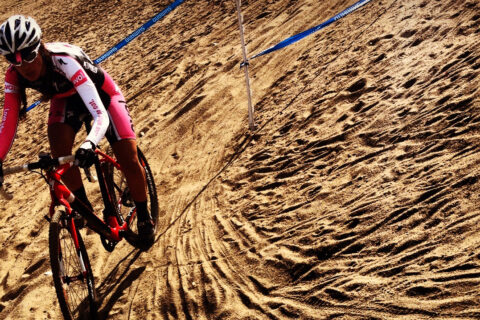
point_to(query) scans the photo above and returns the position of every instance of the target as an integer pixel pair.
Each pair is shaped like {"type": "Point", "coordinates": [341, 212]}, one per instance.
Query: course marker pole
{"type": "Point", "coordinates": [251, 121]}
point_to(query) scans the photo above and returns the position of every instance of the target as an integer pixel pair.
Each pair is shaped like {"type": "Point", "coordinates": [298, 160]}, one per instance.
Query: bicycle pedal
{"type": "Point", "coordinates": [107, 244]}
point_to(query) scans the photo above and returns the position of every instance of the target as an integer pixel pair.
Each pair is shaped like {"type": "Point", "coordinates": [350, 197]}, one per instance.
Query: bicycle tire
{"type": "Point", "coordinates": [117, 186]}
{"type": "Point", "coordinates": [75, 287]}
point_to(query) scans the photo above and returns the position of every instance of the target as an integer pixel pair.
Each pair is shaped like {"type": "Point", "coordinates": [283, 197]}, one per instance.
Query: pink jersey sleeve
{"type": "Point", "coordinates": [11, 110]}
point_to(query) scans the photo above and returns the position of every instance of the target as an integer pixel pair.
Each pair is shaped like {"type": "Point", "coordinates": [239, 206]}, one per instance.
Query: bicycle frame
{"type": "Point", "coordinates": [68, 255]}
{"type": "Point", "coordinates": [60, 194]}
{"type": "Point", "coordinates": [117, 225]}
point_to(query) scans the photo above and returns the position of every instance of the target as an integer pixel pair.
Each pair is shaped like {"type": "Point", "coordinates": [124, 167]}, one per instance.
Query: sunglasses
{"type": "Point", "coordinates": [26, 54]}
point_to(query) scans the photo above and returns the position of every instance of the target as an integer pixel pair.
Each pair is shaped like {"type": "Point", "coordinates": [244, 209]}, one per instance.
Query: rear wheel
{"type": "Point", "coordinates": [71, 271]}
{"type": "Point", "coordinates": [117, 186]}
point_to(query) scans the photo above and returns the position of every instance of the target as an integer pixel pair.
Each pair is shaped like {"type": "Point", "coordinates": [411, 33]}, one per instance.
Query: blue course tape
{"type": "Point", "coordinates": [303, 34]}
{"type": "Point", "coordinates": [128, 39]}
{"type": "Point", "coordinates": [139, 31]}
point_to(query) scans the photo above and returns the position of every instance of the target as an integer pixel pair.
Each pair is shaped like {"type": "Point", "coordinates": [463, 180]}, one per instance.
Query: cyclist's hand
{"type": "Point", "coordinates": [85, 155]}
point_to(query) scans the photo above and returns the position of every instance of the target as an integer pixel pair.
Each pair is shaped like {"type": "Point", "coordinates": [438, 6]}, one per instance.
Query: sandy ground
{"type": "Point", "coordinates": [356, 198]}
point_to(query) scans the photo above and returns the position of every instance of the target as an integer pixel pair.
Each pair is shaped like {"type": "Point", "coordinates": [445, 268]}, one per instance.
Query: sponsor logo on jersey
{"type": "Point", "coordinates": [78, 78]}
{"type": "Point", "coordinates": [4, 118]}
{"type": "Point", "coordinates": [10, 88]}
{"type": "Point", "coordinates": [95, 106]}
{"type": "Point", "coordinates": [89, 66]}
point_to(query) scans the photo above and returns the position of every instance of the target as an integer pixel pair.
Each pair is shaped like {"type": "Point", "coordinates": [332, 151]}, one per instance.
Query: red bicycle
{"type": "Point", "coordinates": [72, 273]}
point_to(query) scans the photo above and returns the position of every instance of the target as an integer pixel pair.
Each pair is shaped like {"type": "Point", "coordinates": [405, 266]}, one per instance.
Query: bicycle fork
{"type": "Point", "coordinates": [64, 196]}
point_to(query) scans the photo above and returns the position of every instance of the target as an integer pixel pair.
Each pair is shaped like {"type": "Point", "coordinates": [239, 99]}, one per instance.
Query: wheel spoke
{"type": "Point", "coordinates": [72, 273]}
{"type": "Point", "coordinates": [71, 269]}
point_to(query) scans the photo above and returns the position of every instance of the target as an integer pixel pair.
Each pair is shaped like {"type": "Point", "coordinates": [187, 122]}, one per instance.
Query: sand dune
{"type": "Point", "coordinates": [356, 198]}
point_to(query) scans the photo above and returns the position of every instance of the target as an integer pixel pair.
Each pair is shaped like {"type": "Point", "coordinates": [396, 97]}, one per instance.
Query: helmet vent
{"type": "Point", "coordinates": [8, 37]}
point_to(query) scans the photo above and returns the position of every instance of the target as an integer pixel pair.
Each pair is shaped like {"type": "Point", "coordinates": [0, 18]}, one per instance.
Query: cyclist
{"type": "Point", "coordinates": [78, 91]}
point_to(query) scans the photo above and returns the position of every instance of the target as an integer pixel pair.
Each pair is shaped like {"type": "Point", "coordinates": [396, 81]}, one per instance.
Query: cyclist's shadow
{"type": "Point", "coordinates": [115, 283]}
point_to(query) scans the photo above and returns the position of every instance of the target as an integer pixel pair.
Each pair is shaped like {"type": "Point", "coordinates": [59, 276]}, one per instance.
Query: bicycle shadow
{"type": "Point", "coordinates": [120, 278]}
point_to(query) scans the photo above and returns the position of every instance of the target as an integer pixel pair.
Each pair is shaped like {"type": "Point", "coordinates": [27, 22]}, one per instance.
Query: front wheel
{"type": "Point", "coordinates": [71, 270]}
{"type": "Point", "coordinates": [117, 186]}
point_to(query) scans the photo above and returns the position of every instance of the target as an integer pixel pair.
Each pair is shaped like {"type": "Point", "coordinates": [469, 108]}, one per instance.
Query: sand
{"type": "Point", "coordinates": [356, 197]}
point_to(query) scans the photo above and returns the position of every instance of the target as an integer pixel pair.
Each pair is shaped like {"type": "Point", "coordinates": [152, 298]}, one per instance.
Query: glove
{"type": "Point", "coordinates": [85, 155]}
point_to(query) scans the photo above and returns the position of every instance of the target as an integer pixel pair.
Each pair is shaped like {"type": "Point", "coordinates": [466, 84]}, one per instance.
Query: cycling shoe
{"type": "Point", "coordinates": [146, 231]}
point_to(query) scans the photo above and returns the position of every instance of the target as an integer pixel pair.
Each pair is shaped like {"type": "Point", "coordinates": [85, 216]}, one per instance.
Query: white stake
{"type": "Point", "coordinates": [251, 122]}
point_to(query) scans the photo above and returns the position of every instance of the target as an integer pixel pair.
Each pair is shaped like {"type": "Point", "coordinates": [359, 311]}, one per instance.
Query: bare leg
{"type": "Point", "coordinates": [61, 137]}
{"type": "Point", "coordinates": [126, 153]}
